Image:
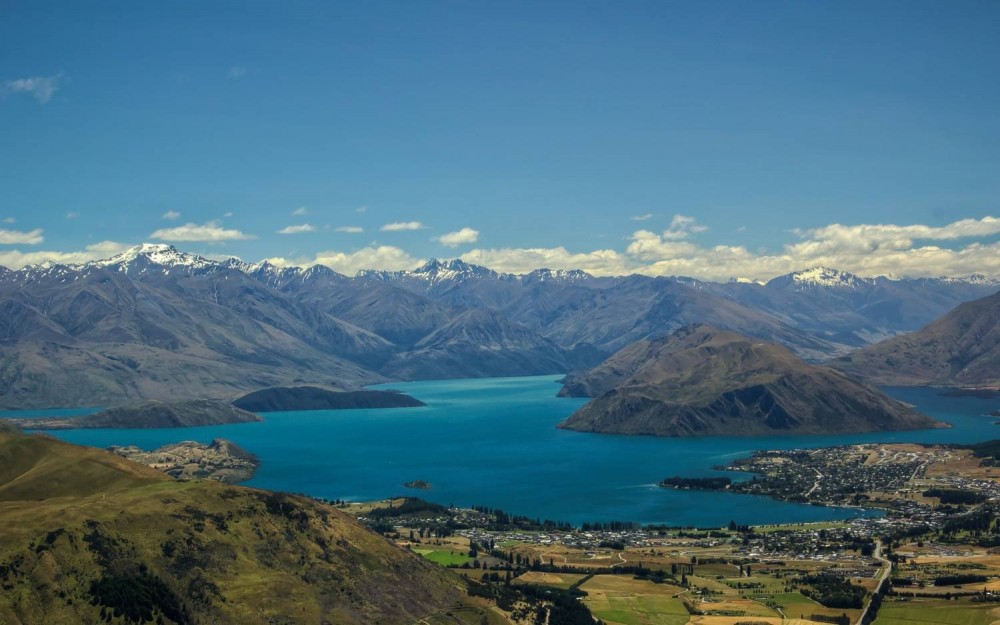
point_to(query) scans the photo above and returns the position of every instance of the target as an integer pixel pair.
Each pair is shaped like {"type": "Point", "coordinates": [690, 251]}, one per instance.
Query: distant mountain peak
{"type": "Point", "coordinates": [153, 254]}
{"type": "Point", "coordinates": [821, 277]}
{"type": "Point", "coordinates": [743, 280]}
{"type": "Point", "coordinates": [436, 270]}
{"type": "Point", "coordinates": [562, 275]}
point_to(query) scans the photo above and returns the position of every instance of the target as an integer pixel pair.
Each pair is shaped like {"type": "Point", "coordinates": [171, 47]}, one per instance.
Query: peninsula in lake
{"type": "Point", "coordinates": [703, 381]}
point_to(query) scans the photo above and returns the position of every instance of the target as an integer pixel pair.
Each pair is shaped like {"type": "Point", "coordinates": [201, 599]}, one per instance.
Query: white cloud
{"type": "Point", "coordinates": [9, 220]}
{"type": "Point", "coordinates": [209, 232]}
{"type": "Point", "coordinates": [228, 214]}
{"type": "Point", "coordinates": [642, 217]}
{"type": "Point", "coordinates": [865, 249]}
{"type": "Point", "coordinates": [72, 215]}
{"type": "Point", "coordinates": [459, 237]}
{"type": "Point", "coordinates": [237, 72]}
{"type": "Point", "coordinates": [15, 259]}
{"type": "Point", "coordinates": [681, 227]}
{"type": "Point", "coordinates": [361, 209]}
{"type": "Point", "coordinates": [302, 210]}
{"type": "Point", "coordinates": [349, 263]}
{"type": "Point", "coordinates": [171, 215]}
{"type": "Point", "coordinates": [648, 245]}
{"type": "Point", "coordinates": [42, 88]}
{"type": "Point", "coordinates": [350, 229]}
{"type": "Point", "coordinates": [402, 225]}
{"type": "Point", "coordinates": [13, 237]}
{"type": "Point", "coordinates": [524, 260]}
{"type": "Point", "coordinates": [297, 229]}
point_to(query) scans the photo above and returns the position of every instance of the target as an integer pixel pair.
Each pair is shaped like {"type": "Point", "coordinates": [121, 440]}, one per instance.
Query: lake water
{"type": "Point", "coordinates": [493, 442]}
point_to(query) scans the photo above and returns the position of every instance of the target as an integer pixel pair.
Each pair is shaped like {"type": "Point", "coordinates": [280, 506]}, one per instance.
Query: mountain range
{"type": "Point", "coordinates": [158, 323]}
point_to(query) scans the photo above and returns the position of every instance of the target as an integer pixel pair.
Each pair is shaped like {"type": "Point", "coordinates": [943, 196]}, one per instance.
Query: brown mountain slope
{"type": "Point", "coordinates": [703, 381]}
{"type": "Point", "coordinates": [961, 348]}
{"type": "Point", "coordinates": [81, 529]}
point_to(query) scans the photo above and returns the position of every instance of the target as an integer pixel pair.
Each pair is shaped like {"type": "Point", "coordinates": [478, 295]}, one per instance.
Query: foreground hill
{"type": "Point", "coordinates": [84, 533]}
{"type": "Point", "coordinates": [704, 381]}
{"type": "Point", "coordinates": [312, 398]}
{"type": "Point", "coordinates": [150, 414]}
{"type": "Point", "coordinates": [961, 348]}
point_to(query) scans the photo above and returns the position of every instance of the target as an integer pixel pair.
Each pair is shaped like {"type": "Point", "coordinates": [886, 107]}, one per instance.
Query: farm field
{"type": "Point", "coordinates": [622, 600]}
{"type": "Point", "coordinates": [444, 558]}
{"type": "Point", "coordinates": [937, 612]}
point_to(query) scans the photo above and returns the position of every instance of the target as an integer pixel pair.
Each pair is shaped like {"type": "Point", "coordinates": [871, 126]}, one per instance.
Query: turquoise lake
{"type": "Point", "coordinates": [493, 442]}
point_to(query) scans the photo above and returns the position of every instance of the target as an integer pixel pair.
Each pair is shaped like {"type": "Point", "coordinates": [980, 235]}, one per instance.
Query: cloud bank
{"type": "Point", "coordinates": [209, 232]}
{"type": "Point", "coordinates": [349, 263]}
{"type": "Point", "coordinates": [15, 259]}
{"type": "Point", "coordinates": [15, 237]}
{"type": "Point", "coordinates": [956, 249]}
{"type": "Point", "coordinates": [865, 249]}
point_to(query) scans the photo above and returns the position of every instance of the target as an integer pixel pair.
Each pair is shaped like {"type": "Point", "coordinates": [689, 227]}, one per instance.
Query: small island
{"type": "Point", "coordinates": [220, 460]}
{"type": "Point", "coordinates": [418, 484]}
{"type": "Point", "coordinates": [287, 398]}
{"type": "Point", "coordinates": [149, 414]}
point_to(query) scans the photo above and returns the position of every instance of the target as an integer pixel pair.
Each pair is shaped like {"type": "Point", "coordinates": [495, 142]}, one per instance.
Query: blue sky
{"type": "Point", "coordinates": [700, 138]}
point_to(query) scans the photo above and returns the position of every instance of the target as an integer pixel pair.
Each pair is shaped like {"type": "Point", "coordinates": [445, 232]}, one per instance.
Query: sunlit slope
{"type": "Point", "coordinates": [72, 517]}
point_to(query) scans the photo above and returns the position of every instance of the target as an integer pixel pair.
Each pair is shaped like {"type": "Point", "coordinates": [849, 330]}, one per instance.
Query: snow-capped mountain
{"type": "Point", "coordinates": [148, 256]}
{"type": "Point", "coordinates": [822, 277]}
{"type": "Point", "coordinates": [435, 272]}
{"type": "Point", "coordinates": [742, 280]}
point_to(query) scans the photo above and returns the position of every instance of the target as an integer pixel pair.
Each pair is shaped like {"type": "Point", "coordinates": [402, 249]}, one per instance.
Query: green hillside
{"type": "Point", "coordinates": [89, 537]}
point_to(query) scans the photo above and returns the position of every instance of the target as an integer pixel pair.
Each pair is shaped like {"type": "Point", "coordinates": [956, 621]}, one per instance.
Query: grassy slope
{"type": "Point", "coordinates": [70, 515]}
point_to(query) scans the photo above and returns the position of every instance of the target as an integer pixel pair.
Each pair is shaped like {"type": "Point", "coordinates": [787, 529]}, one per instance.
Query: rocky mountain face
{"type": "Point", "coordinates": [158, 323]}
{"type": "Point", "coordinates": [962, 348]}
{"type": "Point", "coordinates": [703, 381]}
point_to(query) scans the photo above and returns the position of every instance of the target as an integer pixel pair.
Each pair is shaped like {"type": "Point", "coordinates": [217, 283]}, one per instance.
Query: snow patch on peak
{"type": "Point", "coordinates": [558, 275]}
{"type": "Point", "coordinates": [154, 254]}
{"type": "Point", "coordinates": [436, 270]}
{"type": "Point", "coordinates": [825, 276]}
{"type": "Point", "coordinates": [742, 280]}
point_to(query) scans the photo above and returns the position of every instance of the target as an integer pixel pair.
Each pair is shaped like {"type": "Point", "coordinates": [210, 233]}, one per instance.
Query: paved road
{"type": "Point", "coordinates": [883, 575]}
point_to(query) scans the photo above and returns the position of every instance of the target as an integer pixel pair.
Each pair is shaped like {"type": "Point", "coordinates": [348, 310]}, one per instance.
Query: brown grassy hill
{"type": "Point", "coordinates": [85, 534]}
{"type": "Point", "coordinates": [961, 348]}
{"type": "Point", "coordinates": [704, 381]}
